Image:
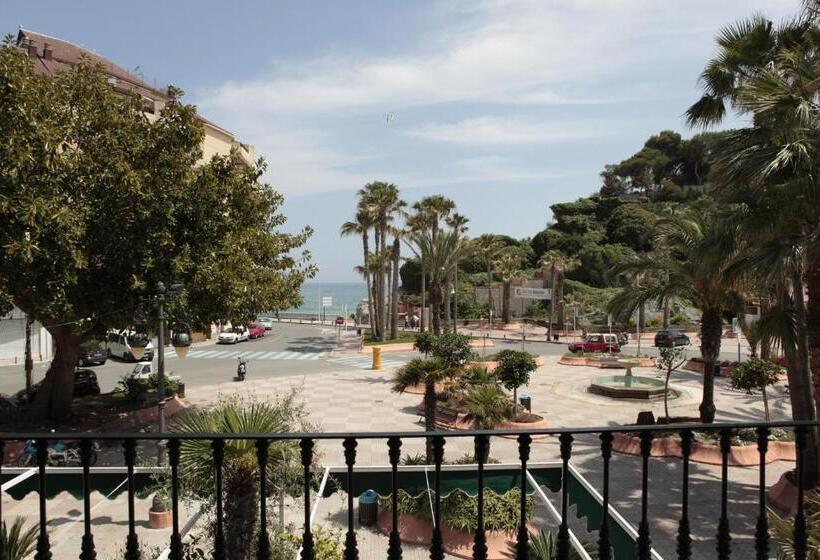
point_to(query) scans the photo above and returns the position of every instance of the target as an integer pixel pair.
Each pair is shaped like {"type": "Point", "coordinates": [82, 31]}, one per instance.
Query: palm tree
{"type": "Point", "coordinates": [427, 372]}
{"type": "Point", "coordinates": [382, 200]}
{"type": "Point", "coordinates": [558, 263]}
{"type": "Point", "coordinates": [361, 226]}
{"type": "Point", "coordinates": [458, 223]}
{"type": "Point", "coordinates": [240, 469]}
{"type": "Point", "coordinates": [439, 256]}
{"type": "Point", "coordinates": [16, 541]}
{"type": "Point", "coordinates": [508, 265]}
{"type": "Point", "coordinates": [697, 274]}
{"type": "Point", "coordinates": [487, 407]}
{"type": "Point", "coordinates": [489, 247]}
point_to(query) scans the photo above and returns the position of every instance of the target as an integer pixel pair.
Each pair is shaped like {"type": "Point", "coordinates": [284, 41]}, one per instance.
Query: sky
{"type": "Point", "coordinates": [506, 107]}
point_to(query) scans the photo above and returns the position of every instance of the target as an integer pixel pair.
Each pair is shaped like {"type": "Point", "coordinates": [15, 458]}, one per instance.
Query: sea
{"type": "Point", "coordinates": [345, 296]}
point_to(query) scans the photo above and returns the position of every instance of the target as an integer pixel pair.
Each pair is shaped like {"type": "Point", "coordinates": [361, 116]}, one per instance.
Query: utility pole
{"type": "Point", "coordinates": [161, 369]}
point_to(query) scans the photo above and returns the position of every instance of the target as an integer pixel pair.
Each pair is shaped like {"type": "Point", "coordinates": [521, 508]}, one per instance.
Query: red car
{"type": "Point", "coordinates": [256, 331]}
{"type": "Point", "coordinates": [595, 343]}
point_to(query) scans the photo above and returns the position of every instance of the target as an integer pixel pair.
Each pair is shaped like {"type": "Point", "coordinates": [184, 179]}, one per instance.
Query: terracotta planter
{"type": "Point", "coordinates": [159, 519]}
{"type": "Point", "coordinates": [783, 496]}
{"type": "Point", "coordinates": [707, 453]}
{"type": "Point", "coordinates": [413, 530]}
{"type": "Point", "coordinates": [573, 361]}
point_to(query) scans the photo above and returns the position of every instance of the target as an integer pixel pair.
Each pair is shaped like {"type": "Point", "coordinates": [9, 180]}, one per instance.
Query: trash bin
{"type": "Point", "coordinates": [181, 390]}
{"type": "Point", "coordinates": [526, 401]}
{"type": "Point", "coordinates": [368, 508]}
{"type": "Point", "coordinates": [555, 337]}
{"type": "Point", "coordinates": [358, 332]}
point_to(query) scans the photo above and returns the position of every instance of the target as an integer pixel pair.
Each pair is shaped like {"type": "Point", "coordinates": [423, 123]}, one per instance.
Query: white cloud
{"type": "Point", "coordinates": [492, 130]}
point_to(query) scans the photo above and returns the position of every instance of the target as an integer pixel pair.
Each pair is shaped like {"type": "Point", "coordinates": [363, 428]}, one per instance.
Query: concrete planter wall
{"type": "Point", "coordinates": [595, 361]}
{"type": "Point", "coordinates": [159, 519]}
{"type": "Point", "coordinates": [149, 415]}
{"type": "Point", "coordinates": [783, 496]}
{"type": "Point", "coordinates": [697, 367]}
{"type": "Point", "coordinates": [739, 456]}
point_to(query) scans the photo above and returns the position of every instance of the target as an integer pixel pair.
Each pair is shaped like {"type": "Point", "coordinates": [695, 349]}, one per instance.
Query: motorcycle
{"type": "Point", "coordinates": [59, 454]}
{"type": "Point", "coordinates": [241, 369]}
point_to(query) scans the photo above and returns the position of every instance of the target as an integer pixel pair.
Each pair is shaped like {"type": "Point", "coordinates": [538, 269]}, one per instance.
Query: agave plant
{"type": "Point", "coordinates": [18, 541]}
{"type": "Point", "coordinates": [544, 546]}
{"type": "Point", "coordinates": [782, 530]}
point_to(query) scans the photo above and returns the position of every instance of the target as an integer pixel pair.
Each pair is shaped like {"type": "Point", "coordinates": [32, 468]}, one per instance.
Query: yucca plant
{"type": "Point", "coordinates": [487, 407]}
{"type": "Point", "coordinates": [18, 542]}
{"type": "Point", "coordinates": [240, 471]}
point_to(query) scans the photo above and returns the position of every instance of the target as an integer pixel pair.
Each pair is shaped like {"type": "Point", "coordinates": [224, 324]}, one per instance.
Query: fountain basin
{"type": "Point", "coordinates": [629, 387]}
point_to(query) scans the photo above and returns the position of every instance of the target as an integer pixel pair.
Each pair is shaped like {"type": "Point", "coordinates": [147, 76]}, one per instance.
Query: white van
{"type": "Point", "coordinates": [117, 344]}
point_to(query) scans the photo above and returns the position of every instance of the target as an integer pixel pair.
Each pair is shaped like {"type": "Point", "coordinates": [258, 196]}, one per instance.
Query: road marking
{"type": "Point", "coordinates": [256, 355]}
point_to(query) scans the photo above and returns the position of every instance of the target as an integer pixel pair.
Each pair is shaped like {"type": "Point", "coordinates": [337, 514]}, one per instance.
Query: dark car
{"type": "Point", "coordinates": [670, 338]}
{"type": "Point", "coordinates": [92, 355]}
{"type": "Point", "coordinates": [85, 383]}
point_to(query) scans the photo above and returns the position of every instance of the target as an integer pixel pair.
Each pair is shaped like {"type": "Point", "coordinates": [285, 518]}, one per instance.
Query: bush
{"type": "Point", "coordinates": [459, 510]}
{"type": "Point", "coordinates": [425, 342]}
{"type": "Point", "coordinates": [285, 543]}
{"type": "Point", "coordinates": [514, 369]}
{"type": "Point", "coordinates": [452, 349]}
{"type": "Point", "coordinates": [136, 390]}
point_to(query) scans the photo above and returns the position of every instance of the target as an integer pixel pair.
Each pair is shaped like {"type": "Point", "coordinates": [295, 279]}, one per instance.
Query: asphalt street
{"type": "Point", "coordinates": [289, 349]}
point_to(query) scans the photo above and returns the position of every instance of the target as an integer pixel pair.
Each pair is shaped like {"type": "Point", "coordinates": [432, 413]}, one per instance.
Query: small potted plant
{"type": "Point", "coordinates": [159, 516]}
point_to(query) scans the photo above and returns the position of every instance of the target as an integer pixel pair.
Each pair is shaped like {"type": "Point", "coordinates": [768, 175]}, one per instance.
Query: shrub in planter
{"type": "Point", "coordinates": [452, 349]}
{"type": "Point", "coordinates": [159, 516]}
{"type": "Point", "coordinates": [514, 370]}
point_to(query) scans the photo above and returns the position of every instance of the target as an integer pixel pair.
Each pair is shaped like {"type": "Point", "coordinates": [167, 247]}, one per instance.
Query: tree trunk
{"type": "Point", "coordinates": [53, 400]}
{"type": "Point", "coordinates": [710, 331]}
{"type": "Point", "coordinates": [666, 395]}
{"type": "Point", "coordinates": [455, 300]}
{"type": "Point", "coordinates": [804, 405]}
{"type": "Point", "coordinates": [505, 303]}
{"type": "Point", "coordinates": [642, 317]}
{"type": "Point", "coordinates": [447, 312]}
{"type": "Point", "coordinates": [813, 326]}
{"type": "Point", "coordinates": [422, 320]}
{"type": "Point", "coordinates": [553, 297]}
{"type": "Point", "coordinates": [435, 307]}
{"type": "Point", "coordinates": [389, 311]}
{"type": "Point", "coordinates": [429, 416]}
{"type": "Point", "coordinates": [766, 405]}
{"type": "Point", "coordinates": [366, 249]}
{"type": "Point", "coordinates": [394, 308]}
{"type": "Point", "coordinates": [666, 313]}
{"type": "Point", "coordinates": [29, 365]}
{"type": "Point", "coordinates": [241, 506]}
{"type": "Point", "coordinates": [560, 309]}
{"type": "Point", "coordinates": [490, 290]}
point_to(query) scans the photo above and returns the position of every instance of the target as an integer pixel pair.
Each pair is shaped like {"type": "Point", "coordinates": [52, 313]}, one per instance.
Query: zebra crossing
{"type": "Point", "coordinates": [256, 356]}
{"type": "Point", "coordinates": [364, 362]}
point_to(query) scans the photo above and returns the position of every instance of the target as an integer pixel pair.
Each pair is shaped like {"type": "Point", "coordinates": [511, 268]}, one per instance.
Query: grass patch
{"type": "Point", "coordinates": [403, 338]}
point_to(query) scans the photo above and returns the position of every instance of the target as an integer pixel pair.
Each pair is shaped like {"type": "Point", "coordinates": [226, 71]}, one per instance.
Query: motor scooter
{"type": "Point", "coordinates": [241, 369]}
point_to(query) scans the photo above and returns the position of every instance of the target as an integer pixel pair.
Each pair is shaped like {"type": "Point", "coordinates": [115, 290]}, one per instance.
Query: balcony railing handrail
{"type": "Point", "coordinates": [695, 427]}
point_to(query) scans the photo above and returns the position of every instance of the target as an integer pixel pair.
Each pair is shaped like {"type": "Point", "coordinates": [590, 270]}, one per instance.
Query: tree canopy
{"type": "Point", "coordinates": [98, 203]}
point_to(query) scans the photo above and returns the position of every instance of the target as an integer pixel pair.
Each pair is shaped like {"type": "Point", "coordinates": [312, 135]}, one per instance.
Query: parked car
{"type": "Point", "coordinates": [118, 343]}
{"type": "Point", "coordinates": [256, 331]}
{"type": "Point", "coordinates": [145, 370]}
{"type": "Point", "coordinates": [85, 383]}
{"type": "Point", "coordinates": [233, 335]}
{"type": "Point", "coordinates": [92, 355]}
{"type": "Point", "coordinates": [266, 322]}
{"type": "Point", "coordinates": [670, 338]}
{"type": "Point", "coordinates": [597, 342]}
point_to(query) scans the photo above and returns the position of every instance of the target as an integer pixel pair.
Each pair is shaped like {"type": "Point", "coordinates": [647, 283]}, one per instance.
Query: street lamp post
{"type": "Point", "coordinates": [181, 341]}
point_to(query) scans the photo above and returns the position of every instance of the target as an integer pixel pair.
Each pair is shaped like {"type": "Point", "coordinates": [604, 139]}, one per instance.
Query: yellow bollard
{"type": "Point", "coordinates": [377, 357]}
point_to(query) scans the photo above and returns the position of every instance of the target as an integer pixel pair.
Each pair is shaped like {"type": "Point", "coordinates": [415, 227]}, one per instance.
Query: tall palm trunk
{"type": "Point", "coordinates": [666, 313]}
{"type": "Point", "coordinates": [455, 300]}
{"type": "Point", "coordinates": [805, 364]}
{"type": "Point", "coordinates": [241, 506]}
{"type": "Point", "coordinates": [447, 301]}
{"type": "Point", "coordinates": [560, 308]}
{"type": "Point", "coordinates": [423, 322]}
{"type": "Point", "coordinates": [435, 306]}
{"type": "Point", "coordinates": [366, 249]}
{"type": "Point", "coordinates": [389, 312]}
{"type": "Point", "coordinates": [553, 298]}
{"type": "Point", "coordinates": [490, 290]}
{"type": "Point", "coordinates": [394, 307]}
{"type": "Point", "coordinates": [505, 302]}
{"type": "Point", "coordinates": [710, 331]}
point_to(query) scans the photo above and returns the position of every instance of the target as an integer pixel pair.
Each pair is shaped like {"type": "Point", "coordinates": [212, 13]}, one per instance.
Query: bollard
{"type": "Point", "coordinates": [377, 357]}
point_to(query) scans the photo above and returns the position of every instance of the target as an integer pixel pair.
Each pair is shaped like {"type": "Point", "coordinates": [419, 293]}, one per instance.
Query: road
{"type": "Point", "coordinates": [290, 349]}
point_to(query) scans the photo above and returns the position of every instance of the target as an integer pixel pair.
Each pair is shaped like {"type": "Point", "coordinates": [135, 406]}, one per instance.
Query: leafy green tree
{"type": "Point", "coordinates": [17, 541]}
{"type": "Point", "coordinates": [240, 470]}
{"type": "Point", "coordinates": [514, 370]}
{"type": "Point", "coordinates": [98, 204]}
{"type": "Point", "coordinates": [755, 375]}
{"type": "Point", "coordinates": [669, 359]}
{"type": "Point", "coordinates": [425, 342]}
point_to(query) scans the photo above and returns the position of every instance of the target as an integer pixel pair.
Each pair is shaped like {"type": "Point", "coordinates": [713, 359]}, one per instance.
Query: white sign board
{"type": "Point", "coordinates": [327, 301]}
{"type": "Point", "coordinates": [532, 293]}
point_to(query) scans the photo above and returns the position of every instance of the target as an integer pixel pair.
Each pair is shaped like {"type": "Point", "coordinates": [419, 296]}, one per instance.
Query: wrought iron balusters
{"type": "Point", "coordinates": [43, 544]}
{"type": "Point", "coordinates": [132, 547]}
{"type": "Point", "coordinates": [308, 546]}
{"type": "Point", "coordinates": [800, 517]}
{"type": "Point", "coordinates": [394, 452]}
{"type": "Point", "coordinates": [604, 544]}
{"type": "Point", "coordinates": [436, 541]}
{"type": "Point", "coordinates": [684, 541]}
{"type": "Point", "coordinates": [87, 550]}
{"type": "Point", "coordinates": [522, 546]}
{"type": "Point", "coordinates": [263, 542]}
{"type": "Point", "coordinates": [565, 440]}
{"type": "Point", "coordinates": [762, 526]}
{"type": "Point", "coordinates": [644, 541]}
{"type": "Point", "coordinates": [351, 546]}
{"type": "Point", "coordinates": [482, 446]}
{"type": "Point", "coordinates": [173, 461]}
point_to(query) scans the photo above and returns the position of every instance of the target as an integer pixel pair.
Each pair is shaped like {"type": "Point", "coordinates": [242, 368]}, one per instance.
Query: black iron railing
{"type": "Point", "coordinates": [349, 441]}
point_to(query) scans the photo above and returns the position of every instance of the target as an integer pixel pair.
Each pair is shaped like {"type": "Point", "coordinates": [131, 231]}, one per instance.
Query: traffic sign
{"type": "Point", "coordinates": [532, 293]}
{"type": "Point", "coordinates": [327, 301]}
